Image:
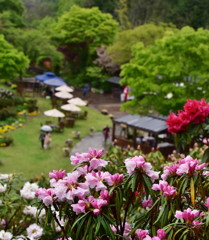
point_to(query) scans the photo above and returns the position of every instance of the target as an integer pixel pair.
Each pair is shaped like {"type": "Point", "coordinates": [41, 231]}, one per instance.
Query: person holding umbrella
{"type": "Point", "coordinates": [44, 138]}
{"type": "Point", "coordinates": [41, 138]}
{"type": "Point", "coordinates": [47, 140]}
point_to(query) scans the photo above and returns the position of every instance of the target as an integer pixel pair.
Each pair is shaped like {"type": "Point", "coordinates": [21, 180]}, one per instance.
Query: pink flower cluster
{"type": "Point", "coordinates": [194, 112]}
{"type": "Point", "coordinates": [92, 159]}
{"type": "Point", "coordinates": [147, 203]}
{"type": "Point", "coordinates": [138, 163]}
{"type": "Point", "coordinates": [186, 165]}
{"type": "Point", "coordinates": [188, 215]}
{"type": "Point", "coordinates": [127, 230]}
{"type": "Point", "coordinates": [80, 187]}
{"type": "Point", "coordinates": [144, 235]}
{"type": "Point", "coordinates": [165, 188]}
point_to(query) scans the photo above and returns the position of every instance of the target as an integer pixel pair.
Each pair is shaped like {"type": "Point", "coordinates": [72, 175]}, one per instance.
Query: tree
{"type": "Point", "coordinates": [164, 75]}
{"type": "Point", "coordinates": [189, 12]}
{"type": "Point", "coordinates": [35, 45]}
{"type": "Point", "coordinates": [80, 31]}
{"type": "Point", "coordinates": [12, 62]}
{"type": "Point", "coordinates": [11, 14]}
{"type": "Point", "coordinates": [120, 51]}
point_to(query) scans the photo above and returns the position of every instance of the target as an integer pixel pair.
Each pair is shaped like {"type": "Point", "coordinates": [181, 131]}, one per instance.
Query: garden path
{"type": "Point", "coordinates": [94, 140]}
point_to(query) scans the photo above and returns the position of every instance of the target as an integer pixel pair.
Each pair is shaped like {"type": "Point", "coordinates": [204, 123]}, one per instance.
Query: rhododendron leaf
{"type": "Point", "coordinates": [109, 219]}
{"type": "Point", "coordinates": [80, 225]}
{"type": "Point", "coordinates": [161, 213]}
{"type": "Point", "coordinates": [79, 219]}
{"type": "Point", "coordinates": [148, 186]}
{"type": "Point", "coordinates": [192, 189]}
{"type": "Point", "coordinates": [134, 182]}
{"type": "Point", "coordinates": [98, 224]}
{"type": "Point", "coordinates": [185, 185]}
{"type": "Point", "coordinates": [177, 232]}
{"type": "Point", "coordinates": [107, 229]}
{"type": "Point", "coordinates": [207, 220]}
{"type": "Point", "coordinates": [184, 235]}
{"type": "Point", "coordinates": [205, 158]}
{"type": "Point", "coordinates": [88, 226]}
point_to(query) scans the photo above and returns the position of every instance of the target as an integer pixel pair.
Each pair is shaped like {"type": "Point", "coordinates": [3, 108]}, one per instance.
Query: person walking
{"type": "Point", "coordinates": [106, 131]}
{"type": "Point", "coordinates": [41, 138]}
{"type": "Point", "coordinates": [47, 140]}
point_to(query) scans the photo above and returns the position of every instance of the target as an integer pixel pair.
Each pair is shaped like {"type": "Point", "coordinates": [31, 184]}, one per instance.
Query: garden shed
{"type": "Point", "coordinates": [145, 131]}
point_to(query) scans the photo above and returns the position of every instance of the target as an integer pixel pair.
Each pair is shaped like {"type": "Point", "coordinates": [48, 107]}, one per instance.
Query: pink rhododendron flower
{"type": "Point", "coordinates": [186, 165]}
{"type": "Point", "coordinates": [197, 224]}
{"type": "Point", "coordinates": [139, 163]}
{"type": "Point", "coordinates": [116, 178]}
{"type": "Point", "coordinates": [105, 195]}
{"type": "Point", "coordinates": [79, 158]}
{"type": "Point", "coordinates": [126, 232]}
{"type": "Point", "coordinates": [141, 234]}
{"type": "Point", "coordinates": [147, 203]}
{"type": "Point", "coordinates": [57, 174]}
{"type": "Point", "coordinates": [95, 180]}
{"type": "Point", "coordinates": [97, 164]}
{"type": "Point", "coordinates": [46, 195]}
{"type": "Point", "coordinates": [97, 204]}
{"type": "Point", "coordinates": [79, 207]}
{"type": "Point", "coordinates": [188, 215]}
{"type": "Point", "coordinates": [207, 203]}
{"type": "Point", "coordinates": [65, 238]}
{"type": "Point", "coordinates": [161, 234]}
{"type": "Point", "coordinates": [94, 153]}
{"type": "Point", "coordinates": [166, 189]}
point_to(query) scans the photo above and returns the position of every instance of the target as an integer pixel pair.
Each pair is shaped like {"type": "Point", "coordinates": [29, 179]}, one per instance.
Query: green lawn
{"type": "Point", "coordinates": [27, 157]}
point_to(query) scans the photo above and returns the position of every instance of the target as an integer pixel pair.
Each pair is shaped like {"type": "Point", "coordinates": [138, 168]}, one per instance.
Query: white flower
{"type": "Point", "coordinates": [5, 235]}
{"type": "Point", "coordinates": [29, 190]}
{"type": "Point", "coordinates": [34, 231]}
{"type": "Point", "coordinates": [29, 210]}
{"type": "Point", "coordinates": [5, 176]}
{"type": "Point", "coordinates": [3, 188]}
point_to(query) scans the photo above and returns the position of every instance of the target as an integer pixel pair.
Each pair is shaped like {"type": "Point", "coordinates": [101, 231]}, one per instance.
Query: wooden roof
{"type": "Point", "coordinates": [146, 123]}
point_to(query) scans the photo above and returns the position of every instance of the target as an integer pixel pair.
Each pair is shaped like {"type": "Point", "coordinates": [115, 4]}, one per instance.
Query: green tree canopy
{"type": "Point", "coordinates": [35, 45]}
{"type": "Point", "coordinates": [164, 75]}
{"type": "Point", "coordinates": [11, 13]}
{"type": "Point", "coordinates": [12, 62]}
{"type": "Point", "coordinates": [120, 51]}
{"type": "Point", "coordinates": [80, 31]}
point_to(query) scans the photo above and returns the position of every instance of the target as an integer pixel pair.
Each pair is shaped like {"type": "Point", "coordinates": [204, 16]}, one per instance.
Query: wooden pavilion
{"type": "Point", "coordinates": [148, 132]}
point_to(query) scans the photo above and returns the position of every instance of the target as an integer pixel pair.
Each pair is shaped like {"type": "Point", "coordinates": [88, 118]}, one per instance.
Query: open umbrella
{"type": "Point", "coordinates": [70, 107]}
{"type": "Point", "coordinates": [54, 113]}
{"type": "Point", "coordinates": [46, 128]}
{"type": "Point", "coordinates": [64, 88]}
{"type": "Point", "coordinates": [55, 82]}
{"type": "Point", "coordinates": [77, 101]}
{"type": "Point", "coordinates": [63, 95]}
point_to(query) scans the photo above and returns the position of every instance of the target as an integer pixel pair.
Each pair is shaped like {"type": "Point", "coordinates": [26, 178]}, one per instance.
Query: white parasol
{"type": "Point", "coordinates": [46, 128]}
{"type": "Point", "coordinates": [70, 107]}
{"type": "Point", "coordinates": [63, 95]}
{"type": "Point", "coordinates": [64, 88]}
{"type": "Point", "coordinates": [54, 113]}
{"type": "Point", "coordinates": [77, 101]}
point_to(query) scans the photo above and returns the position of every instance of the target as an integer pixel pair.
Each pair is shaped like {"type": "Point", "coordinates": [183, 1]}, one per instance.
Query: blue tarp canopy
{"type": "Point", "coordinates": [45, 76]}
{"type": "Point", "coordinates": [55, 82]}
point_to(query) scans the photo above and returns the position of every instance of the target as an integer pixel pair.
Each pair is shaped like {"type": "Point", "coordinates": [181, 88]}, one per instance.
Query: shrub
{"type": "Point", "coordinates": [7, 112]}
{"type": "Point", "coordinates": [5, 141]}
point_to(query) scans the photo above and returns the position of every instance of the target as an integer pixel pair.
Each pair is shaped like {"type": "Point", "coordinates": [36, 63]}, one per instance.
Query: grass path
{"type": "Point", "coordinates": [27, 157]}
